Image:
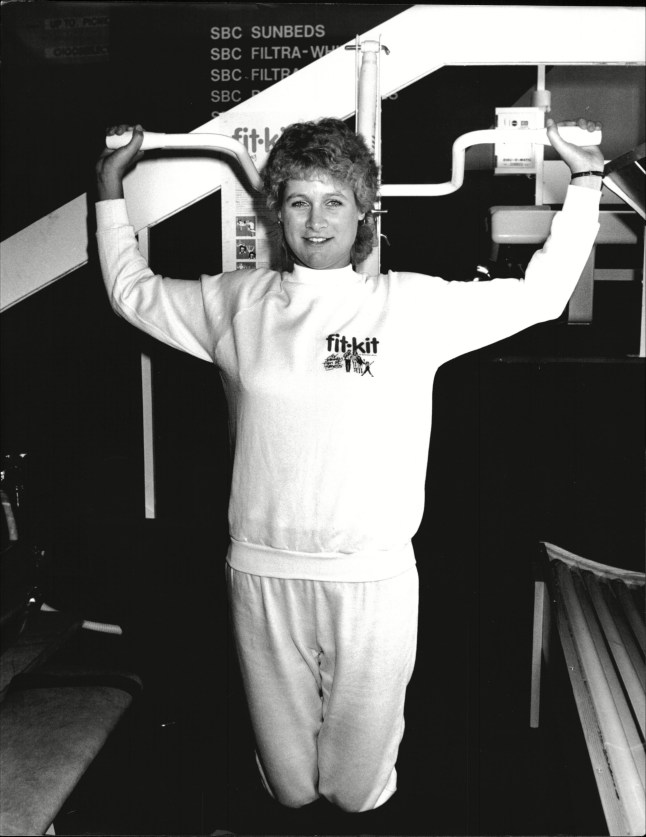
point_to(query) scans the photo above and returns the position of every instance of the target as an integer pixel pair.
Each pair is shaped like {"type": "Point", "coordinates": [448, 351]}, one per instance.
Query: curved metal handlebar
{"type": "Point", "coordinates": [511, 136]}
{"type": "Point", "coordinates": [221, 142]}
{"type": "Point", "coordinates": [213, 142]}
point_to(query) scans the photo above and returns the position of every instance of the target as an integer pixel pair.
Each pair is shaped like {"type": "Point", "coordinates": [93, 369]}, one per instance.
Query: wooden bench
{"type": "Point", "coordinates": [599, 614]}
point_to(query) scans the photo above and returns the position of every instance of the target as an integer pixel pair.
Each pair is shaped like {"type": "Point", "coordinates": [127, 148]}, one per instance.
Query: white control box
{"type": "Point", "coordinates": [517, 158]}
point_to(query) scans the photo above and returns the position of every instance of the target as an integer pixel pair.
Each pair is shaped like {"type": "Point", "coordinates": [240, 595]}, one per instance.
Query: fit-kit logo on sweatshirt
{"type": "Point", "coordinates": [350, 354]}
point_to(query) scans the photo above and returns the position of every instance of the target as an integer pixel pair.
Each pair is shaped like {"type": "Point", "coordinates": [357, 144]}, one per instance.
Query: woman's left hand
{"type": "Point", "coordinates": [578, 157]}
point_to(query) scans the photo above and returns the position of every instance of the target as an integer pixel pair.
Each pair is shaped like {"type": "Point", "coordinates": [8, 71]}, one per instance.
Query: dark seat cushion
{"type": "Point", "coordinates": [51, 730]}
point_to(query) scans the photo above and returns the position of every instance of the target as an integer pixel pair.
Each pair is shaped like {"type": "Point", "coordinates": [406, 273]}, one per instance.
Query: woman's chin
{"type": "Point", "coordinates": [321, 260]}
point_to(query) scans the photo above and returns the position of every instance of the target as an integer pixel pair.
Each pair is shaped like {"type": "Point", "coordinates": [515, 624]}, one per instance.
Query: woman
{"type": "Point", "coordinates": [329, 467]}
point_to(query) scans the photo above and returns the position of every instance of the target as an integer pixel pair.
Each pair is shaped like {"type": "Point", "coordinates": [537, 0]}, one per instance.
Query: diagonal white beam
{"type": "Point", "coordinates": [421, 40]}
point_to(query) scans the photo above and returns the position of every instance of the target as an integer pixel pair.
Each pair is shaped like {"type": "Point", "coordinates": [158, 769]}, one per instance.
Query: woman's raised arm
{"type": "Point", "coordinates": [113, 165]}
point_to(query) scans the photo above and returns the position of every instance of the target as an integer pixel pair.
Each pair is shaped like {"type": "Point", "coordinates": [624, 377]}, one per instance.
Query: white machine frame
{"type": "Point", "coordinates": [424, 35]}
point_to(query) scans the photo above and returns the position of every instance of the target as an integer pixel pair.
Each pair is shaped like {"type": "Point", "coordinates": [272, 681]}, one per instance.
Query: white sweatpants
{"type": "Point", "coordinates": [325, 666]}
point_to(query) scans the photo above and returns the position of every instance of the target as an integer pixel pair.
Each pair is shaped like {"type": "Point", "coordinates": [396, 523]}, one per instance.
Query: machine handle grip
{"type": "Point", "coordinates": [575, 135]}
{"type": "Point", "coordinates": [523, 136]}
{"type": "Point", "coordinates": [151, 140]}
{"type": "Point", "coordinates": [214, 142]}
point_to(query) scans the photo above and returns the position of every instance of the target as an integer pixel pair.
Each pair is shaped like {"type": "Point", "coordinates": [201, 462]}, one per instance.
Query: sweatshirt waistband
{"type": "Point", "coordinates": [366, 565]}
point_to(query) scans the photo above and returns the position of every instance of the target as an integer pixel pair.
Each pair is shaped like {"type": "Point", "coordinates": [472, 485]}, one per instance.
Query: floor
{"type": "Point", "coordinates": [469, 764]}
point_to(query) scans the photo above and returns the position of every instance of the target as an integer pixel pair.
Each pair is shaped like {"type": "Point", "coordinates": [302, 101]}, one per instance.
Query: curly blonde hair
{"type": "Point", "coordinates": [327, 146]}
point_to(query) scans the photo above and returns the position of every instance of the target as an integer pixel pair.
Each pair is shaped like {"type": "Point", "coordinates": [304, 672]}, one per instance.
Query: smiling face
{"type": "Point", "coordinates": [320, 218]}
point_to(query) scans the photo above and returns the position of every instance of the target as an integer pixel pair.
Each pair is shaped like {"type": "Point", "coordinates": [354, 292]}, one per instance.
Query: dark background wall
{"type": "Point", "coordinates": [538, 437]}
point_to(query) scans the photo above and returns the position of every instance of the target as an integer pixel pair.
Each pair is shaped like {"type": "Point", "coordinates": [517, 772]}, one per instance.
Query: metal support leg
{"type": "Point", "coordinates": [540, 647]}
{"type": "Point", "coordinates": [642, 337]}
{"type": "Point", "coordinates": [147, 409]}
{"type": "Point", "coordinates": [581, 301]}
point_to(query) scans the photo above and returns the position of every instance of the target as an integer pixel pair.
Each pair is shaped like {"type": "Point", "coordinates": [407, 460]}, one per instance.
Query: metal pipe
{"type": "Point", "coordinates": [368, 92]}
{"type": "Point", "coordinates": [572, 134]}
{"type": "Point", "coordinates": [220, 142]}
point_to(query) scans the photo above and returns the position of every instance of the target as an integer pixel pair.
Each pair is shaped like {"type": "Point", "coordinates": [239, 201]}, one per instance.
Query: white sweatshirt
{"type": "Point", "coordinates": [329, 379]}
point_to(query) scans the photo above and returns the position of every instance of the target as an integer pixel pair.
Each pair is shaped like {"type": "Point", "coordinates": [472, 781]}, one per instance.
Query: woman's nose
{"type": "Point", "coordinates": [316, 219]}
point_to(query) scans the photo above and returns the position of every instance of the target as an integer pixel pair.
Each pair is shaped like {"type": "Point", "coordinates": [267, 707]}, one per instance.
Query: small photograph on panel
{"type": "Point", "coordinates": [246, 226]}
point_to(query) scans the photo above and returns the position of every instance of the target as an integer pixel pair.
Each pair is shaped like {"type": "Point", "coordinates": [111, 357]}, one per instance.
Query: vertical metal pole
{"type": "Point", "coordinates": [642, 338]}
{"type": "Point", "coordinates": [367, 110]}
{"type": "Point", "coordinates": [357, 70]}
{"type": "Point", "coordinates": [367, 105]}
{"type": "Point", "coordinates": [539, 151]}
{"type": "Point", "coordinates": [147, 408]}
{"type": "Point", "coordinates": [378, 157]}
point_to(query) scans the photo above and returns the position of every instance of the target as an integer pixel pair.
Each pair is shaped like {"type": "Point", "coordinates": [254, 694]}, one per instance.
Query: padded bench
{"type": "Point", "coordinates": [53, 724]}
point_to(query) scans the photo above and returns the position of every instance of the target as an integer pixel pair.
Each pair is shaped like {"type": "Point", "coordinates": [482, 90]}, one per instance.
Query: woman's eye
{"type": "Point", "coordinates": [300, 204]}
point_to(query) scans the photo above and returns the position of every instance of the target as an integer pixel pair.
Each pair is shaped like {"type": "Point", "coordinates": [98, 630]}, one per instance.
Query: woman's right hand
{"type": "Point", "coordinates": [113, 164]}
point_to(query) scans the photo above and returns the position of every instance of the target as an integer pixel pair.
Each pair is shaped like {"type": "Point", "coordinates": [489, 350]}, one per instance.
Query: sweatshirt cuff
{"type": "Point", "coordinates": [111, 214]}
{"type": "Point", "coordinates": [579, 199]}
